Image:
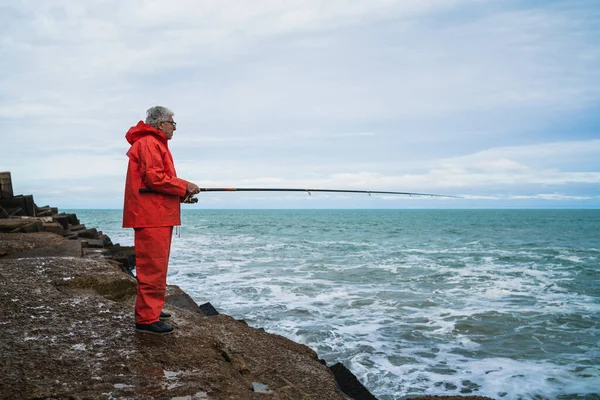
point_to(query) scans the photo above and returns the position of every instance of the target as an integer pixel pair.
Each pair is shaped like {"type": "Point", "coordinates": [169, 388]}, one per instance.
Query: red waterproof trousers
{"type": "Point", "coordinates": [152, 250]}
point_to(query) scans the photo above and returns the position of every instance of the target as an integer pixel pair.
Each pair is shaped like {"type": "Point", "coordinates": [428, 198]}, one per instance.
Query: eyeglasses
{"type": "Point", "coordinates": [172, 123]}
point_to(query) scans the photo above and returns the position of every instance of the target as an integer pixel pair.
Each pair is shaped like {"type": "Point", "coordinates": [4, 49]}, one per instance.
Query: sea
{"type": "Point", "coordinates": [498, 303]}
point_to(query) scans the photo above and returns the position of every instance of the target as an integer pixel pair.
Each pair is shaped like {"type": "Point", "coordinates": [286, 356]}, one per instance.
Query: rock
{"type": "Point", "coordinates": [178, 298]}
{"type": "Point", "coordinates": [77, 228]}
{"type": "Point", "coordinates": [47, 210]}
{"type": "Point", "coordinates": [72, 218]}
{"type": "Point", "coordinates": [95, 252]}
{"type": "Point", "coordinates": [69, 333]}
{"type": "Point", "coordinates": [30, 227]}
{"type": "Point", "coordinates": [6, 190]}
{"type": "Point", "coordinates": [65, 248]}
{"type": "Point", "coordinates": [349, 384]}
{"type": "Point", "coordinates": [44, 213]}
{"type": "Point", "coordinates": [53, 227]}
{"type": "Point", "coordinates": [11, 224]}
{"type": "Point", "coordinates": [124, 255]}
{"type": "Point", "coordinates": [94, 243]}
{"type": "Point", "coordinates": [208, 310]}
{"type": "Point", "coordinates": [25, 203]}
{"type": "Point", "coordinates": [108, 285]}
{"type": "Point", "coordinates": [18, 243]}
{"type": "Point", "coordinates": [62, 219]}
{"type": "Point", "coordinates": [105, 239]}
{"type": "Point", "coordinates": [91, 233]}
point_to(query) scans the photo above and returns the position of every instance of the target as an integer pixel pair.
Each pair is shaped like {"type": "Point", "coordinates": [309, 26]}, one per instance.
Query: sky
{"type": "Point", "coordinates": [494, 101]}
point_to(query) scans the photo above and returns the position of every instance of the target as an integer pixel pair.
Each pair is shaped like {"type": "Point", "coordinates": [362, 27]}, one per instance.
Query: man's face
{"type": "Point", "coordinates": [168, 127]}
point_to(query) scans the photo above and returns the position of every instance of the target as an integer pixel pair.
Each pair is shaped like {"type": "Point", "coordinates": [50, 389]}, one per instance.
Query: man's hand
{"type": "Point", "coordinates": [192, 189]}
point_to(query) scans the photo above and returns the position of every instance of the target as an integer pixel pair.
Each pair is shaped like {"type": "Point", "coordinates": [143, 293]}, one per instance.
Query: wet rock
{"type": "Point", "coordinates": [178, 298]}
{"type": "Point", "coordinates": [20, 205]}
{"type": "Point", "coordinates": [93, 243]}
{"type": "Point", "coordinates": [6, 190]}
{"type": "Point", "coordinates": [91, 233]}
{"type": "Point", "coordinates": [69, 333]}
{"type": "Point", "coordinates": [111, 286]}
{"type": "Point", "coordinates": [77, 228]}
{"type": "Point", "coordinates": [208, 310]}
{"type": "Point", "coordinates": [35, 226]}
{"type": "Point", "coordinates": [65, 248]}
{"type": "Point", "coordinates": [349, 384]}
{"type": "Point", "coordinates": [124, 255]}
{"type": "Point", "coordinates": [63, 220]}
{"type": "Point", "coordinates": [53, 227]}
{"type": "Point", "coordinates": [13, 243]}
{"type": "Point", "coordinates": [95, 252]}
{"type": "Point", "coordinates": [12, 224]}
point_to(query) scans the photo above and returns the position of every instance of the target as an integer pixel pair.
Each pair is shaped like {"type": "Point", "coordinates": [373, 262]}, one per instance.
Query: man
{"type": "Point", "coordinates": [153, 194]}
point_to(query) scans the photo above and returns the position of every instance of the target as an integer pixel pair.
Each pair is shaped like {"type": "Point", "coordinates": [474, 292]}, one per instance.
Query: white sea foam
{"type": "Point", "coordinates": [574, 259]}
{"type": "Point", "coordinates": [494, 377]}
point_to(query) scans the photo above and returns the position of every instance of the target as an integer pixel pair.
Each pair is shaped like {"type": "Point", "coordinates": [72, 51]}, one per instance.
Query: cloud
{"type": "Point", "coordinates": [476, 98]}
{"type": "Point", "coordinates": [554, 196]}
{"type": "Point", "coordinates": [549, 153]}
{"type": "Point", "coordinates": [540, 164]}
{"type": "Point", "coordinates": [508, 59]}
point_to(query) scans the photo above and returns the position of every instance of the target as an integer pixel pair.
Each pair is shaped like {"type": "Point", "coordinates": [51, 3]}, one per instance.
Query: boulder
{"type": "Point", "coordinates": [178, 298]}
{"type": "Point", "coordinates": [125, 256]}
{"type": "Point", "coordinates": [62, 219]}
{"type": "Point", "coordinates": [29, 227]}
{"type": "Point", "coordinates": [21, 205]}
{"type": "Point", "coordinates": [91, 233]}
{"type": "Point", "coordinates": [12, 224]}
{"type": "Point", "coordinates": [349, 384]}
{"type": "Point", "coordinates": [53, 227]}
{"type": "Point", "coordinates": [6, 190]}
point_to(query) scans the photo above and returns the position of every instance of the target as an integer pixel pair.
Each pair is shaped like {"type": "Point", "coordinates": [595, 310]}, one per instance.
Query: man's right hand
{"type": "Point", "coordinates": [192, 189]}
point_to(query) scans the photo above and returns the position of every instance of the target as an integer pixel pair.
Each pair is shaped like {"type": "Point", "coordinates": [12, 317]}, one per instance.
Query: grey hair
{"type": "Point", "coordinates": [158, 114]}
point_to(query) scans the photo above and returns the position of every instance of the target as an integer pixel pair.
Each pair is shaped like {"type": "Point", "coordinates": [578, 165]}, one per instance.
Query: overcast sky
{"type": "Point", "coordinates": [495, 101]}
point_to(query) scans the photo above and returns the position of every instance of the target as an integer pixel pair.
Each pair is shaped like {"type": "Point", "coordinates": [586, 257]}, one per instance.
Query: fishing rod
{"type": "Point", "coordinates": [192, 199]}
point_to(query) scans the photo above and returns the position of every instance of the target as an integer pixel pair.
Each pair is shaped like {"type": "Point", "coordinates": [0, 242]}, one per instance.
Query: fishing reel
{"type": "Point", "coordinates": [190, 199]}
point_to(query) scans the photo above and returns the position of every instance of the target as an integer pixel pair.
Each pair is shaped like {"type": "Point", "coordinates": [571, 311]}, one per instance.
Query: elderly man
{"type": "Point", "coordinates": [153, 194]}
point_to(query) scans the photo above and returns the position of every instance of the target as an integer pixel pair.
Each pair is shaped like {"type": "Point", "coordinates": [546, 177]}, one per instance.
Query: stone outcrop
{"type": "Point", "coordinates": [67, 298]}
{"type": "Point", "coordinates": [20, 214]}
{"type": "Point", "coordinates": [69, 334]}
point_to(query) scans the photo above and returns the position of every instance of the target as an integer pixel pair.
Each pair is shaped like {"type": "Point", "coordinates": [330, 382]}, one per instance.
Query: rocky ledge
{"type": "Point", "coordinates": [67, 331]}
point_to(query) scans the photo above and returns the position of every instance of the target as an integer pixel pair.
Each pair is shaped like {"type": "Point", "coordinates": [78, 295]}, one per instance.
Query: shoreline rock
{"type": "Point", "coordinates": [69, 333]}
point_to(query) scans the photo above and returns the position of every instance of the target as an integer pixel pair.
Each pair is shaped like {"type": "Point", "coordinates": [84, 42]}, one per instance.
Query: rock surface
{"type": "Point", "coordinates": [67, 332]}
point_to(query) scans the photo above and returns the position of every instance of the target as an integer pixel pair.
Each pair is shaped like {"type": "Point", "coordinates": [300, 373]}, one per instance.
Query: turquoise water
{"type": "Point", "coordinates": [502, 303]}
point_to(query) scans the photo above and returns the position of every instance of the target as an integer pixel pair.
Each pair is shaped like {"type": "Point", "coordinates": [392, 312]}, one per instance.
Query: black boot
{"type": "Point", "coordinates": [156, 328]}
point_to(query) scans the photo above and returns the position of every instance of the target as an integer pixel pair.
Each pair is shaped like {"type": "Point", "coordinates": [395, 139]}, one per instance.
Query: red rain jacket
{"type": "Point", "coordinates": [151, 167]}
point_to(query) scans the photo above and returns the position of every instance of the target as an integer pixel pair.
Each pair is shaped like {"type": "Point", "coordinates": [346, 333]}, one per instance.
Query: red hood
{"type": "Point", "coordinates": [140, 130]}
